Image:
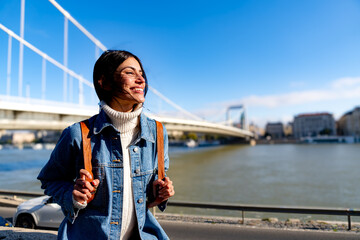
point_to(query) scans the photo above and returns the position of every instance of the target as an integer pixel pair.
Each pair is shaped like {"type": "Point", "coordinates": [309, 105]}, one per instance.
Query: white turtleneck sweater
{"type": "Point", "coordinates": [128, 124]}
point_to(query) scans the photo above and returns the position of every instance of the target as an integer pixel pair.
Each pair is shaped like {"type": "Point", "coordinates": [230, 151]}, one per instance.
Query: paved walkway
{"type": "Point", "coordinates": [202, 231]}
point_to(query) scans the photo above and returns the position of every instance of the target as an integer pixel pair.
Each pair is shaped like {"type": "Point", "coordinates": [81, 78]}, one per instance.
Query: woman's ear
{"type": "Point", "coordinates": [103, 83]}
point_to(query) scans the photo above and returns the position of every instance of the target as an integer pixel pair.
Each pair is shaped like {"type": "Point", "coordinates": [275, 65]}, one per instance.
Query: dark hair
{"type": "Point", "coordinates": [105, 68]}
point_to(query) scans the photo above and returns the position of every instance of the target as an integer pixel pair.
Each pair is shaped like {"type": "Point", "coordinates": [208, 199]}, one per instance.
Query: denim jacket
{"type": "Point", "coordinates": [102, 217]}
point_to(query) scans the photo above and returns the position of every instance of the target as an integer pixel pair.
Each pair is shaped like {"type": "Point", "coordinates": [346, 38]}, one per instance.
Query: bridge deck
{"type": "Point", "coordinates": [53, 116]}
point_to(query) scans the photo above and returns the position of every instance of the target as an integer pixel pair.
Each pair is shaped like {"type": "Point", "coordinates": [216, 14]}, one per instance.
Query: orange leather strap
{"type": "Point", "coordinates": [160, 149]}
{"type": "Point", "coordinates": [87, 152]}
{"type": "Point", "coordinates": [86, 147]}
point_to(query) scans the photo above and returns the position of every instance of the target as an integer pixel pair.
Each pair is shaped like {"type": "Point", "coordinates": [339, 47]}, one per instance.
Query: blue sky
{"type": "Point", "coordinates": [278, 57]}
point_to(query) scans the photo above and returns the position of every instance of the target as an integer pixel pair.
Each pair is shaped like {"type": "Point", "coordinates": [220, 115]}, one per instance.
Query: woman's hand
{"type": "Point", "coordinates": [83, 189]}
{"type": "Point", "coordinates": [163, 190]}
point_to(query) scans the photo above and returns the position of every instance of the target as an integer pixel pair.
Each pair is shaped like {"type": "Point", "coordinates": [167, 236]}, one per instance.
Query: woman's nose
{"type": "Point", "coordinates": [140, 78]}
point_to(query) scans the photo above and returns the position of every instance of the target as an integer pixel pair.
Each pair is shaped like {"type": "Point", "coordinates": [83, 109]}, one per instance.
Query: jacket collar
{"type": "Point", "coordinates": [102, 121]}
{"type": "Point", "coordinates": [145, 129]}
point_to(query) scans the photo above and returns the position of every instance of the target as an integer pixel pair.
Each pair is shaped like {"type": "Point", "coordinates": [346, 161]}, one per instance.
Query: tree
{"type": "Point", "coordinates": [325, 131]}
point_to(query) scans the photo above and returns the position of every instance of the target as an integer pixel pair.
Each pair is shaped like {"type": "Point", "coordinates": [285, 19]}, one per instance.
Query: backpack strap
{"type": "Point", "coordinates": [160, 149]}
{"type": "Point", "coordinates": [86, 147]}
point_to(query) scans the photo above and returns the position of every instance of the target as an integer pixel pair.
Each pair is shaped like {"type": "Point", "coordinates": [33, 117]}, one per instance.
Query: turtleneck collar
{"type": "Point", "coordinates": [125, 122]}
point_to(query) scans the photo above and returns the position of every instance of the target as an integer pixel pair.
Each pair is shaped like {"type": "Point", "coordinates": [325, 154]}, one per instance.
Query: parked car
{"type": "Point", "coordinates": [40, 212]}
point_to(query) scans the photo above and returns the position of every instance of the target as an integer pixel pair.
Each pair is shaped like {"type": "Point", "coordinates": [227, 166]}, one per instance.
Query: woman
{"type": "Point", "coordinates": [124, 161]}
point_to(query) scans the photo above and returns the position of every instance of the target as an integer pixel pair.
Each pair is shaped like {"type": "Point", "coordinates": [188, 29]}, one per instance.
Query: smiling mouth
{"type": "Point", "coordinates": [138, 90]}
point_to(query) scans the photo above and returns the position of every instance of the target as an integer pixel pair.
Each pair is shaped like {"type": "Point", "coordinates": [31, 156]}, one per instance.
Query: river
{"type": "Point", "coordinates": [317, 175]}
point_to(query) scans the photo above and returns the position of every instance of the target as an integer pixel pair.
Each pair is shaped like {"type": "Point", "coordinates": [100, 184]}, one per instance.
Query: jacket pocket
{"type": "Point", "coordinates": [100, 201]}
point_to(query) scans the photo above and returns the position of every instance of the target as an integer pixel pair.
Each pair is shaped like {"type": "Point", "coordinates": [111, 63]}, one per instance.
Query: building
{"type": "Point", "coordinates": [5, 137]}
{"type": "Point", "coordinates": [256, 130]}
{"type": "Point", "coordinates": [349, 123]}
{"type": "Point", "coordinates": [288, 129]}
{"type": "Point", "coordinates": [20, 137]}
{"type": "Point", "coordinates": [275, 130]}
{"type": "Point", "coordinates": [314, 124]}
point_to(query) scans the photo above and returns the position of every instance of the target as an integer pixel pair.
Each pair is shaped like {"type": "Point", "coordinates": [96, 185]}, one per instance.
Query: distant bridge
{"type": "Point", "coordinates": [35, 115]}
{"type": "Point", "coordinates": [19, 112]}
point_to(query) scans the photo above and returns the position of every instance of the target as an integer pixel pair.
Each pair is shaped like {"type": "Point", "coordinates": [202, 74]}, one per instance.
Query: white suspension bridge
{"type": "Point", "coordinates": [25, 112]}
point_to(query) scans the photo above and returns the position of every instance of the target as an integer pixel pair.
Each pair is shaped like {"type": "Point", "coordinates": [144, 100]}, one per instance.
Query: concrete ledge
{"type": "Point", "coordinates": [12, 202]}
{"type": "Point", "coordinates": [13, 233]}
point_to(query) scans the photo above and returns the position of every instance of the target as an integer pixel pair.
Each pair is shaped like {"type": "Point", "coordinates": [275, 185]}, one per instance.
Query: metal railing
{"type": "Point", "coordinates": [19, 193]}
{"type": "Point", "coordinates": [266, 208]}
{"type": "Point", "coordinates": [348, 212]}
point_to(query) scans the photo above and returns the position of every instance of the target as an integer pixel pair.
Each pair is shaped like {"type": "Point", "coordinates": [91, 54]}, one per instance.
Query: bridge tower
{"type": "Point", "coordinates": [242, 115]}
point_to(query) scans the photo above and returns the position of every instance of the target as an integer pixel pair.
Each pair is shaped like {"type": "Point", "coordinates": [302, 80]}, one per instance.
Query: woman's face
{"type": "Point", "coordinates": [128, 77]}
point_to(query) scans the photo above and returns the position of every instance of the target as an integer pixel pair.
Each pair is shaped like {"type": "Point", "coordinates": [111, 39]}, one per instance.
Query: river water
{"type": "Point", "coordinates": [318, 175]}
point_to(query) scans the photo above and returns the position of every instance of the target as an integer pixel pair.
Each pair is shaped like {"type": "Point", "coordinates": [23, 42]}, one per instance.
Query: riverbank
{"type": "Point", "coordinates": [295, 224]}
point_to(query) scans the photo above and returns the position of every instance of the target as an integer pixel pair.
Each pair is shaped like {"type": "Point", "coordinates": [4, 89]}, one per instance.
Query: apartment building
{"type": "Point", "coordinates": [349, 123]}
{"type": "Point", "coordinates": [275, 130]}
{"type": "Point", "coordinates": [314, 124]}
